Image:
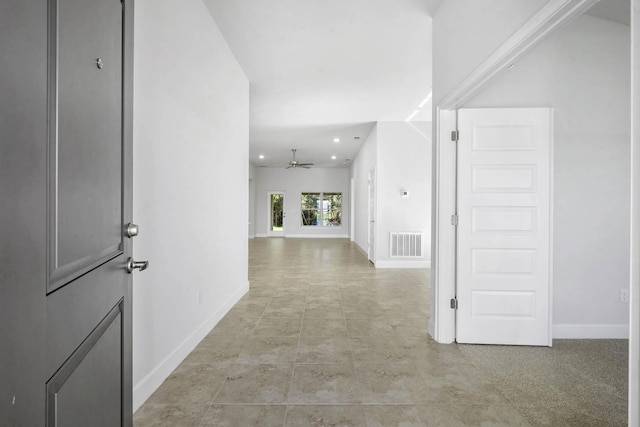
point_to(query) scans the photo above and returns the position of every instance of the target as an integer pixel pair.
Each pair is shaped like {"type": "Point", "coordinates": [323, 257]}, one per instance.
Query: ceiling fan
{"type": "Point", "coordinates": [295, 164]}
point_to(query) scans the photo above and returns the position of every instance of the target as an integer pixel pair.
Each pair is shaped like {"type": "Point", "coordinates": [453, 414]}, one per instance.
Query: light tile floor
{"type": "Point", "coordinates": [324, 339]}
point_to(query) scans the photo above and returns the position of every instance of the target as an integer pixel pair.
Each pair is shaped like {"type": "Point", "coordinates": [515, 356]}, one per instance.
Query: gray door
{"type": "Point", "coordinates": [88, 291]}
{"type": "Point", "coordinates": [74, 327]}
{"type": "Point", "coordinates": [88, 319]}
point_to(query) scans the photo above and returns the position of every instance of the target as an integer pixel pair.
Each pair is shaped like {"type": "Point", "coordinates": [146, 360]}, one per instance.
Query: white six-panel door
{"type": "Point", "coordinates": [504, 226]}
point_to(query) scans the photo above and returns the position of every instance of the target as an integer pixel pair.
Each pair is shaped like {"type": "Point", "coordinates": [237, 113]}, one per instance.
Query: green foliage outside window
{"type": "Point", "coordinates": [321, 209]}
{"type": "Point", "coordinates": [277, 210]}
{"type": "Point", "coordinates": [332, 209]}
{"type": "Point", "coordinates": [309, 208]}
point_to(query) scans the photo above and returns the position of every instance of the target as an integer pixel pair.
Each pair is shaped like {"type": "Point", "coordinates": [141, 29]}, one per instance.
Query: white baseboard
{"type": "Point", "coordinates": [143, 390]}
{"type": "Point", "coordinates": [252, 236]}
{"type": "Point", "coordinates": [403, 264]}
{"type": "Point", "coordinates": [591, 331]}
{"type": "Point", "coordinates": [363, 250]}
{"type": "Point", "coordinates": [317, 236]}
{"type": "Point", "coordinates": [309, 236]}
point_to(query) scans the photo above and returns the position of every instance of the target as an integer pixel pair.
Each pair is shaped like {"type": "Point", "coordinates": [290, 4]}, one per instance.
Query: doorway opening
{"type": "Point", "coordinates": [276, 213]}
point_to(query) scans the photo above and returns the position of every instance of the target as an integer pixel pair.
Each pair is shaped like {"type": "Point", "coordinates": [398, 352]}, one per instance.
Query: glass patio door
{"type": "Point", "coordinates": [276, 220]}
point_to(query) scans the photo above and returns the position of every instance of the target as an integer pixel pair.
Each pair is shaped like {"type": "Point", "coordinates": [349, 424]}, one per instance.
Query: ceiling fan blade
{"type": "Point", "coordinates": [294, 164]}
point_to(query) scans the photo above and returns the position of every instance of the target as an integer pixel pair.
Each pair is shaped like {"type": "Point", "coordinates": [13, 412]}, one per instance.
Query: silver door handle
{"type": "Point", "coordinates": [131, 230]}
{"type": "Point", "coordinates": [140, 265]}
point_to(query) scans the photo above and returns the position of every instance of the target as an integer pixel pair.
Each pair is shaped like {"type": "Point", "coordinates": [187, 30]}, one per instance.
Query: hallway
{"type": "Point", "coordinates": [324, 339]}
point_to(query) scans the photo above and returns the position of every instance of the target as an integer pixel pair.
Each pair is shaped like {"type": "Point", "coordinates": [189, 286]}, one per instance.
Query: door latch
{"type": "Point", "coordinates": [132, 265]}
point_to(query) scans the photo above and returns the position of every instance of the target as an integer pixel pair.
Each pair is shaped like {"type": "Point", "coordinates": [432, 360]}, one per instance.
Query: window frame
{"type": "Point", "coordinates": [320, 210]}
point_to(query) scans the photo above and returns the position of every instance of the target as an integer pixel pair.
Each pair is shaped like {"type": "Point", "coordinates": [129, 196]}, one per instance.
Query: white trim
{"type": "Point", "coordinates": [252, 236]}
{"type": "Point", "coordinates": [403, 264]}
{"type": "Point", "coordinates": [552, 16]}
{"type": "Point", "coordinates": [591, 331]}
{"type": "Point", "coordinates": [372, 215]}
{"type": "Point", "coordinates": [552, 185]}
{"type": "Point", "coordinates": [306, 236]}
{"type": "Point", "coordinates": [634, 286]}
{"type": "Point", "coordinates": [362, 250]}
{"type": "Point", "coordinates": [261, 235]}
{"type": "Point", "coordinates": [443, 250]}
{"type": "Point", "coordinates": [145, 388]}
{"type": "Point", "coordinates": [352, 209]}
{"type": "Point", "coordinates": [317, 236]}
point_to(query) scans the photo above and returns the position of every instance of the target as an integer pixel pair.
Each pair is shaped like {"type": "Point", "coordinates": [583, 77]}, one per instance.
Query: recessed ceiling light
{"type": "Point", "coordinates": [261, 156]}
{"type": "Point", "coordinates": [333, 157]}
{"type": "Point", "coordinates": [336, 139]}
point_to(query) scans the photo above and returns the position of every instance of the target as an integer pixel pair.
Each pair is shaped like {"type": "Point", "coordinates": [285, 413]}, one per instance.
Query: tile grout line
{"type": "Point", "coordinates": [293, 369]}
{"type": "Point", "coordinates": [229, 369]}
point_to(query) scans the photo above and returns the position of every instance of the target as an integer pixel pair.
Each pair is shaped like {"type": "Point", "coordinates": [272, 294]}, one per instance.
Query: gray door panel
{"type": "Point", "coordinates": [86, 126]}
{"type": "Point", "coordinates": [74, 310]}
{"type": "Point", "coordinates": [78, 394]}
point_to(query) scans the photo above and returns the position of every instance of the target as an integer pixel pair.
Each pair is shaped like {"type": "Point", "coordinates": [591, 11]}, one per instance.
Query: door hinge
{"type": "Point", "coordinates": [455, 135]}
{"type": "Point", "coordinates": [454, 220]}
{"type": "Point", "coordinates": [454, 303]}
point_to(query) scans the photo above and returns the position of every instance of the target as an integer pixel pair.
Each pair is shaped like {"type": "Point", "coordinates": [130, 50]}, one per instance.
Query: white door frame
{"type": "Point", "coordinates": [552, 16]}
{"type": "Point", "coordinates": [352, 210]}
{"type": "Point", "coordinates": [372, 215]}
{"type": "Point", "coordinates": [271, 233]}
{"type": "Point", "coordinates": [634, 315]}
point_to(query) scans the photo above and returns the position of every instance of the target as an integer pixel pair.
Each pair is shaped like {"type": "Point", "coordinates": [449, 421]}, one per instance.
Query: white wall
{"type": "Point", "coordinates": [364, 161]}
{"type": "Point", "coordinates": [294, 182]}
{"type": "Point", "coordinates": [461, 41]}
{"type": "Point", "coordinates": [191, 133]}
{"type": "Point", "coordinates": [403, 163]}
{"type": "Point", "coordinates": [582, 71]}
{"type": "Point", "coordinates": [401, 154]}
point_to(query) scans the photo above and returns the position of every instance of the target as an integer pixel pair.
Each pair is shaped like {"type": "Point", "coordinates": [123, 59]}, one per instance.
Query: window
{"type": "Point", "coordinates": [321, 209]}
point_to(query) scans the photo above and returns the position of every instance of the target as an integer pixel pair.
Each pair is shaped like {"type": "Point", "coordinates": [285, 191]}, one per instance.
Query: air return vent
{"type": "Point", "coordinates": [406, 244]}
